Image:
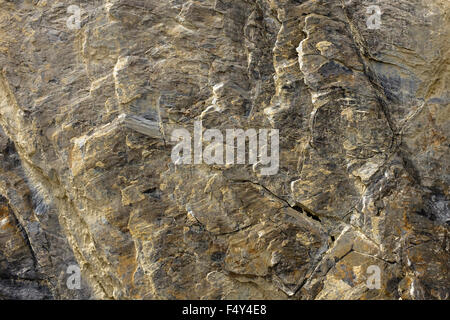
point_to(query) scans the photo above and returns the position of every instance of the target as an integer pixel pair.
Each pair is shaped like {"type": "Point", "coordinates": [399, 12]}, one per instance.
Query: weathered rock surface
{"type": "Point", "coordinates": [86, 176]}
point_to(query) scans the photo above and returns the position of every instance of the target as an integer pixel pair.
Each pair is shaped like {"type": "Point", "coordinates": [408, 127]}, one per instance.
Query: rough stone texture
{"type": "Point", "coordinates": [86, 176]}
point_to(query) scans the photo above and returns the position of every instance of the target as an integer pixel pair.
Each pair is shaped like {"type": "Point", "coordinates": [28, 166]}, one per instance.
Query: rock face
{"type": "Point", "coordinates": [359, 206]}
